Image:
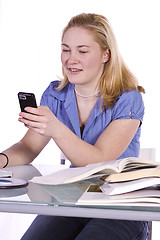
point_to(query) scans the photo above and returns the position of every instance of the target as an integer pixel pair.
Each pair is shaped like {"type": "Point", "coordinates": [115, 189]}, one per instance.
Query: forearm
{"type": "Point", "coordinates": [79, 152]}
{"type": "Point", "coordinates": [109, 146]}
{"type": "Point", "coordinates": [18, 154]}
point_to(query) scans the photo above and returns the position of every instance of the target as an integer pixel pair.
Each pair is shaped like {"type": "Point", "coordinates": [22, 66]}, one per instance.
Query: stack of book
{"type": "Point", "coordinates": [129, 181]}
{"type": "Point", "coordinates": [135, 188]}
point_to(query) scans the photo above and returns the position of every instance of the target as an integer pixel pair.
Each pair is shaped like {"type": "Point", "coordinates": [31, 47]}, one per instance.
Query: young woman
{"type": "Point", "coordinates": [93, 114]}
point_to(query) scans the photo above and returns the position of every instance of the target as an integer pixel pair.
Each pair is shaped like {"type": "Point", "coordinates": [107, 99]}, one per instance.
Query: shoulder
{"type": "Point", "coordinates": [51, 91]}
{"type": "Point", "coordinates": [130, 96]}
{"type": "Point", "coordinates": [129, 105]}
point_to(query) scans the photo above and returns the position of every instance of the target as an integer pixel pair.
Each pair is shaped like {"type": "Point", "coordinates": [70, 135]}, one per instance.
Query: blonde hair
{"type": "Point", "coordinates": [116, 77]}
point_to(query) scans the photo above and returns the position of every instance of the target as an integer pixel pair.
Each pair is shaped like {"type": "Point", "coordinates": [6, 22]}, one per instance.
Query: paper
{"type": "Point", "coordinates": [5, 173]}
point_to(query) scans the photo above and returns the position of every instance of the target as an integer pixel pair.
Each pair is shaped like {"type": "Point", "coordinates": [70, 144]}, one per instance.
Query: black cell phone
{"type": "Point", "coordinates": [26, 100]}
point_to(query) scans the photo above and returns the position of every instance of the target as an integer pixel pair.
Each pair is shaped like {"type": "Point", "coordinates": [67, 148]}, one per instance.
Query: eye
{"type": "Point", "coordinates": [65, 50]}
{"type": "Point", "coordinates": [83, 51]}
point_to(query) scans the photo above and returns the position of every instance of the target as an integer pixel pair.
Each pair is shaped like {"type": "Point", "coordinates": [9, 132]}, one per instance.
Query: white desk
{"type": "Point", "coordinates": [35, 200]}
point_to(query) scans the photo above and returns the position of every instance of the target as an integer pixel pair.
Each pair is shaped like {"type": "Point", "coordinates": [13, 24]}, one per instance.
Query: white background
{"type": "Point", "coordinates": [30, 37]}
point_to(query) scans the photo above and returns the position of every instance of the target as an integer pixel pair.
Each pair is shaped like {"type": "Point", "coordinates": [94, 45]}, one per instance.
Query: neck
{"type": "Point", "coordinates": [96, 94]}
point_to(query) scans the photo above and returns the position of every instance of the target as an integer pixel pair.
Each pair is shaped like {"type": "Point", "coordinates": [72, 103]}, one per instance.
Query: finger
{"type": "Point", "coordinates": [40, 110]}
{"type": "Point", "coordinates": [30, 123]}
{"type": "Point", "coordinates": [32, 110]}
{"type": "Point", "coordinates": [28, 116]}
{"type": "Point", "coordinates": [37, 127]}
{"type": "Point", "coordinates": [29, 119]}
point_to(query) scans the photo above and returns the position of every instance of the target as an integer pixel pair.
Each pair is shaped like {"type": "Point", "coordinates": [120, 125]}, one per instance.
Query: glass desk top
{"type": "Point", "coordinates": [60, 201]}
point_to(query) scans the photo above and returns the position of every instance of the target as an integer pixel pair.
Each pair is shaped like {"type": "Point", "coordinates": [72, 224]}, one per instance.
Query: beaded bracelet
{"type": "Point", "coordinates": [7, 159]}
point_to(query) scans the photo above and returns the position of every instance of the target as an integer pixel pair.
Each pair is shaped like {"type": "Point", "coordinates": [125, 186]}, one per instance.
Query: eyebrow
{"type": "Point", "coordinates": [79, 46]}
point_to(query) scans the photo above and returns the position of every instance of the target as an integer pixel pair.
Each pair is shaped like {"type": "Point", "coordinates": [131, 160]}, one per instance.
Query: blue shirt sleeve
{"type": "Point", "coordinates": [129, 106]}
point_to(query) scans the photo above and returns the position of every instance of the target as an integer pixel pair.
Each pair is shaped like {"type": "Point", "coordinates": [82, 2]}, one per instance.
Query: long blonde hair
{"type": "Point", "coordinates": [116, 77]}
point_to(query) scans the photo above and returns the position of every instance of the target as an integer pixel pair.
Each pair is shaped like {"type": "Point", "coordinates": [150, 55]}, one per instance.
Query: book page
{"type": "Point", "coordinates": [70, 175]}
{"type": "Point", "coordinates": [130, 163]}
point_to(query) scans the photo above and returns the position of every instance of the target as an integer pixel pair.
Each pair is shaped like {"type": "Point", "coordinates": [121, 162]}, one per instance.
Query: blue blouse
{"type": "Point", "coordinates": [63, 105]}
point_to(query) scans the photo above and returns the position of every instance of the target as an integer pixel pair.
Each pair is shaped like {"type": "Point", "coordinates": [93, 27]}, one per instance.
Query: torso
{"type": "Point", "coordinates": [85, 107]}
{"type": "Point", "coordinates": [74, 113]}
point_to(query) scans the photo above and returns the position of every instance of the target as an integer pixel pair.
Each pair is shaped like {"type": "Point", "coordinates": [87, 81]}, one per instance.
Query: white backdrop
{"type": "Point", "coordinates": [30, 33]}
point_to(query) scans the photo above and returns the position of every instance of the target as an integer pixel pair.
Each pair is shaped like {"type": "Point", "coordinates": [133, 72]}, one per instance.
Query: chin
{"type": "Point", "coordinates": [75, 80]}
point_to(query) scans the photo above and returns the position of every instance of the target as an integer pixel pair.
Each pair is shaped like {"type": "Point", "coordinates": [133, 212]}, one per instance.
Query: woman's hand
{"type": "Point", "coordinates": [40, 119]}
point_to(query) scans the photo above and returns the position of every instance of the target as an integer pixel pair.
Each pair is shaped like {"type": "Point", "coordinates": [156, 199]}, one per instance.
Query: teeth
{"type": "Point", "coordinates": [74, 70]}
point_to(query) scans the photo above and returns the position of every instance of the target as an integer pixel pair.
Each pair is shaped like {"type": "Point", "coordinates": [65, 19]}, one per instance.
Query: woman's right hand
{"type": "Point", "coordinates": [41, 120]}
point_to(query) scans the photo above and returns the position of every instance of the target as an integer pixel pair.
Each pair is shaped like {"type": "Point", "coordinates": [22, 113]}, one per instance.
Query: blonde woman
{"type": "Point", "coordinates": [94, 114]}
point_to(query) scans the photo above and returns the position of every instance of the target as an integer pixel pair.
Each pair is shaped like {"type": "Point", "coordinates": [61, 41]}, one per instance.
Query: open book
{"type": "Point", "coordinates": [71, 175]}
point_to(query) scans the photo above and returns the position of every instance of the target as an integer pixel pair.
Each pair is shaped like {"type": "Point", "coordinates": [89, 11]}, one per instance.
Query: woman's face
{"type": "Point", "coordinates": [82, 57]}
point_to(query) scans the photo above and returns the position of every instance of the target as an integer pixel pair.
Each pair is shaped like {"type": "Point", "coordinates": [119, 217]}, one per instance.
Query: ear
{"type": "Point", "coordinates": [106, 56]}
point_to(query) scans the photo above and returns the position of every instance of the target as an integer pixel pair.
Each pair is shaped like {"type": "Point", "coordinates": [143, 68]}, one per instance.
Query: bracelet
{"type": "Point", "coordinates": [7, 159]}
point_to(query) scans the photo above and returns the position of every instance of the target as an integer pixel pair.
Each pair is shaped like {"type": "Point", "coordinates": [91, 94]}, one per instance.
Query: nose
{"type": "Point", "coordinates": [72, 58]}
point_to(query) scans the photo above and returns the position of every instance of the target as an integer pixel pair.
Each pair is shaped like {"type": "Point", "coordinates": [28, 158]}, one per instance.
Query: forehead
{"type": "Point", "coordinates": [78, 36]}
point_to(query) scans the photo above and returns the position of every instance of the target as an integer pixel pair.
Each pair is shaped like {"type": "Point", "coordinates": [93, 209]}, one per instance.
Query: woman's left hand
{"type": "Point", "coordinates": [40, 119]}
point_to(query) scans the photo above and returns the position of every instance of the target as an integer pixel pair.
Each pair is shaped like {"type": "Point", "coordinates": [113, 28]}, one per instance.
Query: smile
{"type": "Point", "coordinates": [74, 70]}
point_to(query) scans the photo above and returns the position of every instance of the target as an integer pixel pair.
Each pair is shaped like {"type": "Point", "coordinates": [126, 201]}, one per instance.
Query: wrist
{"type": "Point", "coordinates": [4, 160]}
{"type": "Point", "coordinates": [56, 129]}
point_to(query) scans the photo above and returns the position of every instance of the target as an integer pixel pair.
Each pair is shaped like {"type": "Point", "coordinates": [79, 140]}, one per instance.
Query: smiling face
{"type": "Point", "coordinates": [82, 57]}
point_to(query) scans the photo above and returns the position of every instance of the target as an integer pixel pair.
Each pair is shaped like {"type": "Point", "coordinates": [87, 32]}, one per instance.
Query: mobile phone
{"type": "Point", "coordinates": [26, 100]}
